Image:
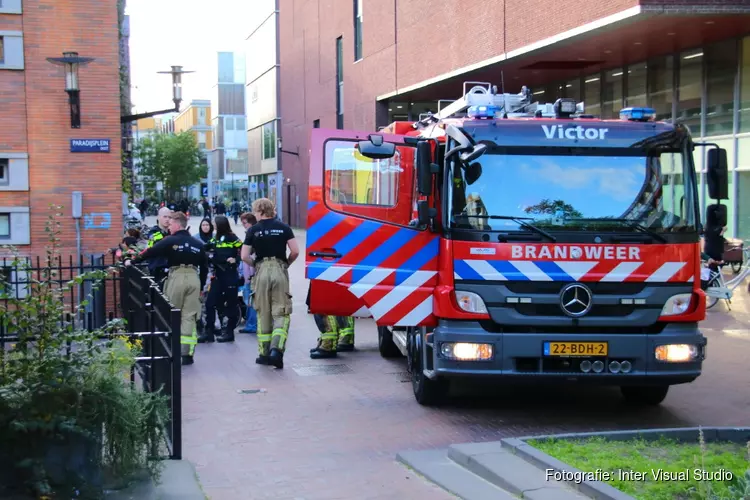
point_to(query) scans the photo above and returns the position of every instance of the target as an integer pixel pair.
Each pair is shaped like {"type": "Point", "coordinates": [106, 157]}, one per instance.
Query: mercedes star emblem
{"type": "Point", "coordinates": [575, 300]}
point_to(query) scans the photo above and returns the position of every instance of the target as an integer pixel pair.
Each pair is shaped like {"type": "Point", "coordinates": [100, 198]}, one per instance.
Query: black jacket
{"type": "Point", "coordinates": [177, 249]}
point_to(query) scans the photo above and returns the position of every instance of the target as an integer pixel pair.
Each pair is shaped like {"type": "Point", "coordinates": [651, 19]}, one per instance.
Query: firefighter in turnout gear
{"type": "Point", "coordinates": [269, 239]}
{"type": "Point", "coordinates": [336, 334]}
{"type": "Point", "coordinates": [157, 266]}
{"type": "Point", "coordinates": [185, 259]}
{"type": "Point", "coordinates": [225, 250]}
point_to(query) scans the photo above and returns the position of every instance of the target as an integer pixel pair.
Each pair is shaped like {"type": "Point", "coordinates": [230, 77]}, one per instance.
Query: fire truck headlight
{"type": "Point", "coordinates": [470, 302]}
{"type": "Point", "coordinates": [462, 351]}
{"type": "Point", "coordinates": [677, 304]}
{"type": "Point", "coordinates": [676, 353]}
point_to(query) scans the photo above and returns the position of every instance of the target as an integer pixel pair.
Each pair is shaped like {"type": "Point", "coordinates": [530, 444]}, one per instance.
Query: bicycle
{"type": "Point", "coordinates": [719, 288]}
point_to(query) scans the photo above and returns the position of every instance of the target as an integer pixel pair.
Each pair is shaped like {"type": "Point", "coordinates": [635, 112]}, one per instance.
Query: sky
{"type": "Point", "coordinates": [165, 33]}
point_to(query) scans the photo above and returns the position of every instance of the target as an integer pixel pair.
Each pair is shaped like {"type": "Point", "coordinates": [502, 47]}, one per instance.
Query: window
{"type": "Point", "coordinates": [339, 83]}
{"type": "Point", "coordinates": [636, 82]}
{"type": "Point", "coordinates": [240, 123]}
{"type": "Point", "coordinates": [573, 89]}
{"type": "Point", "coordinates": [269, 140]}
{"type": "Point", "coordinates": [4, 171]}
{"type": "Point", "coordinates": [202, 140]}
{"type": "Point", "coordinates": [721, 69]}
{"type": "Point", "coordinates": [201, 116]}
{"type": "Point", "coordinates": [357, 30]}
{"type": "Point", "coordinates": [4, 225]}
{"type": "Point", "coordinates": [612, 93]}
{"type": "Point", "coordinates": [689, 92]}
{"type": "Point", "coordinates": [661, 86]}
{"type": "Point", "coordinates": [745, 87]}
{"type": "Point", "coordinates": [316, 123]}
{"type": "Point", "coordinates": [228, 123]}
{"type": "Point", "coordinates": [2, 50]}
{"type": "Point", "coordinates": [592, 95]}
{"type": "Point", "coordinates": [352, 179]}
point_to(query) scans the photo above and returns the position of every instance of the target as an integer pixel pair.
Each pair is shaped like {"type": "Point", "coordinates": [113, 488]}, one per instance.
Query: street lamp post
{"type": "Point", "coordinates": [176, 73]}
{"type": "Point", "coordinates": [71, 61]}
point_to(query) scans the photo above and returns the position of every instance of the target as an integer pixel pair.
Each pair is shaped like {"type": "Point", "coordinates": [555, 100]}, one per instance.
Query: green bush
{"type": "Point", "coordinates": [69, 417]}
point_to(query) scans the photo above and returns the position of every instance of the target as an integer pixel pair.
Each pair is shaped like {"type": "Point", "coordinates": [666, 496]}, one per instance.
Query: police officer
{"type": "Point", "coordinates": [269, 239]}
{"type": "Point", "coordinates": [336, 334]}
{"type": "Point", "coordinates": [157, 266]}
{"type": "Point", "coordinates": [223, 295]}
{"type": "Point", "coordinates": [185, 258]}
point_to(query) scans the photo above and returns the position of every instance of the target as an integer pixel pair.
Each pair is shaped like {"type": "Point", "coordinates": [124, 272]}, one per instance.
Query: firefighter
{"type": "Point", "coordinates": [157, 266]}
{"type": "Point", "coordinates": [222, 295]}
{"type": "Point", "coordinates": [185, 259]}
{"type": "Point", "coordinates": [269, 239]}
{"type": "Point", "coordinates": [336, 334]}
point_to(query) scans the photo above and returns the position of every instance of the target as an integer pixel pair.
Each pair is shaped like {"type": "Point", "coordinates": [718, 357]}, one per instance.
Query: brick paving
{"type": "Point", "coordinates": [310, 435]}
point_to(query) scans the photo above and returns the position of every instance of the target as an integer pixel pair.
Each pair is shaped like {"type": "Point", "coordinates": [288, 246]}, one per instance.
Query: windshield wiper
{"type": "Point", "coordinates": [633, 224]}
{"type": "Point", "coordinates": [518, 220]}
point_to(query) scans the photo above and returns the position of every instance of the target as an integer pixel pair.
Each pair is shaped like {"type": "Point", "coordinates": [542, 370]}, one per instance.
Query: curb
{"type": "Point", "coordinates": [598, 489]}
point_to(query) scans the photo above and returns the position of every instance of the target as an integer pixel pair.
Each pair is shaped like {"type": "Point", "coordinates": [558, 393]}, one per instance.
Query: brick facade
{"type": "Point", "coordinates": [35, 119]}
{"type": "Point", "coordinates": [404, 44]}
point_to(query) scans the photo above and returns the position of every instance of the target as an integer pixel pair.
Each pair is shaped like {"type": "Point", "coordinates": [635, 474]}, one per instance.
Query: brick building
{"type": "Point", "coordinates": [360, 64]}
{"type": "Point", "coordinates": [37, 165]}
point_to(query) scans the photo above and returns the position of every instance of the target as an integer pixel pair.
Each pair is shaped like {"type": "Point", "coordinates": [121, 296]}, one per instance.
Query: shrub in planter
{"type": "Point", "coordinates": [69, 418]}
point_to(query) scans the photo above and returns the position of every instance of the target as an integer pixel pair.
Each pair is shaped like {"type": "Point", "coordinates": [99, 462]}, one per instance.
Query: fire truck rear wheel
{"type": "Point", "coordinates": [386, 346]}
{"type": "Point", "coordinates": [651, 395]}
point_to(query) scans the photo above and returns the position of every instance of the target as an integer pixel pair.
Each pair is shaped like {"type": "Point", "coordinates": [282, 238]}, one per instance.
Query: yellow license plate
{"type": "Point", "coordinates": [575, 349]}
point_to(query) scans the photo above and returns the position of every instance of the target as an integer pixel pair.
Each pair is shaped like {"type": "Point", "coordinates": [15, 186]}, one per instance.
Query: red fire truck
{"type": "Point", "coordinates": [502, 237]}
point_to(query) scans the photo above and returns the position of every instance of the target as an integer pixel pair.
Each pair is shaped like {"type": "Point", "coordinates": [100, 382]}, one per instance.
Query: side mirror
{"type": "Point", "coordinates": [716, 216]}
{"type": "Point", "coordinates": [425, 168]}
{"type": "Point", "coordinates": [425, 213]}
{"type": "Point", "coordinates": [473, 153]}
{"type": "Point", "coordinates": [717, 175]}
{"type": "Point", "coordinates": [376, 148]}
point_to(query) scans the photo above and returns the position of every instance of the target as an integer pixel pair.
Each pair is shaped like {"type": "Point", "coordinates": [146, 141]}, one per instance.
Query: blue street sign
{"type": "Point", "coordinates": [89, 145]}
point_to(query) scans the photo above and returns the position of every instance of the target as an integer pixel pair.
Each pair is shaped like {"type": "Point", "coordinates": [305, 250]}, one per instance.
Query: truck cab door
{"type": "Point", "coordinates": [365, 255]}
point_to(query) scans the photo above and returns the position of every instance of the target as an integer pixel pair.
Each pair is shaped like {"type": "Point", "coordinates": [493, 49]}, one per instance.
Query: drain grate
{"type": "Point", "coordinates": [312, 370]}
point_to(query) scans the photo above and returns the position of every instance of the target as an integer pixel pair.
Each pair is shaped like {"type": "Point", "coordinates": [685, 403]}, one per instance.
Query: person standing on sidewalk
{"type": "Point", "coordinates": [222, 295]}
{"type": "Point", "coordinates": [185, 259]}
{"type": "Point", "coordinates": [251, 317]}
{"type": "Point", "coordinates": [269, 240]}
{"type": "Point", "coordinates": [157, 266]}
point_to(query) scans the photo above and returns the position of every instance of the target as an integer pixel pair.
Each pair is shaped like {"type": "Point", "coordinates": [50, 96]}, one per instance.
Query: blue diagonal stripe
{"type": "Point", "coordinates": [465, 271]}
{"type": "Point", "coordinates": [357, 236]}
{"type": "Point", "coordinates": [508, 270]}
{"type": "Point", "coordinates": [311, 204]}
{"type": "Point", "coordinates": [320, 228]}
{"type": "Point", "coordinates": [554, 271]}
{"type": "Point", "coordinates": [419, 259]}
{"type": "Point", "coordinates": [315, 269]}
{"type": "Point", "coordinates": [385, 250]}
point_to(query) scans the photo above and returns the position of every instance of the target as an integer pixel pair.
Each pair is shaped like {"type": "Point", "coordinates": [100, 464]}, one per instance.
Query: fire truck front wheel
{"type": "Point", "coordinates": [386, 346]}
{"type": "Point", "coordinates": [650, 395]}
{"type": "Point", "coordinates": [427, 392]}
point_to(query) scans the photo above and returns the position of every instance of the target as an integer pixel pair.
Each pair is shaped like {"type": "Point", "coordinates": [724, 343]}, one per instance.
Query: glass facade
{"type": "Point", "coordinates": [706, 88]}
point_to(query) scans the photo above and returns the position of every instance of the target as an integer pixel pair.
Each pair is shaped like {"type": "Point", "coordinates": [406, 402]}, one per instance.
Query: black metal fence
{"type": "Point", "coordinates": [149, 315]}
{"type": "Point", "coordinates": [126, 293]}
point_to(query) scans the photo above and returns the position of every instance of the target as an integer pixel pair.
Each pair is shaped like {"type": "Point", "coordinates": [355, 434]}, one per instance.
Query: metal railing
{"type": "Point", "coordinates": [151, 317]}
{"type": "Point", "coordinates": [126, 293]}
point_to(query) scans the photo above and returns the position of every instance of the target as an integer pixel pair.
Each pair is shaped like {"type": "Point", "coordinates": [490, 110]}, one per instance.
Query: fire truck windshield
{"type": "Point", "coordinates": [574, 190]}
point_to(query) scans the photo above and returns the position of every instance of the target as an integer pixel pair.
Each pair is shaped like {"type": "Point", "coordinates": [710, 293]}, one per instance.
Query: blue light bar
{"type": "Point", "coordinates": [482, 111]}
{"type": "Point", "coordinates": [637, 114]}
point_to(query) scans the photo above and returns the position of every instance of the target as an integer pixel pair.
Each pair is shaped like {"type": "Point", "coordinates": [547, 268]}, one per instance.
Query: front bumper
{"type": "Point", "coordinates": [520, 355]}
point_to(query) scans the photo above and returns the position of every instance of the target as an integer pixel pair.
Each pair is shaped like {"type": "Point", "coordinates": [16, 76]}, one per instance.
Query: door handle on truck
{"type": "Point", "coordinates": [327, 255]}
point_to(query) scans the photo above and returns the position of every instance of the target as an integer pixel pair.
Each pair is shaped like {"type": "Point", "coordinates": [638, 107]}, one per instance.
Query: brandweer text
{"type": "Point", "coordinates": [576, 252]}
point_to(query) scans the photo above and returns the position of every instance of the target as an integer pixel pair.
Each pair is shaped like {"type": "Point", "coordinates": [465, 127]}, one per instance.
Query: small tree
{"type": "Point", "coordinates": [547, 207]}
{"type": "Point", "coordinates": [174, 159]}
